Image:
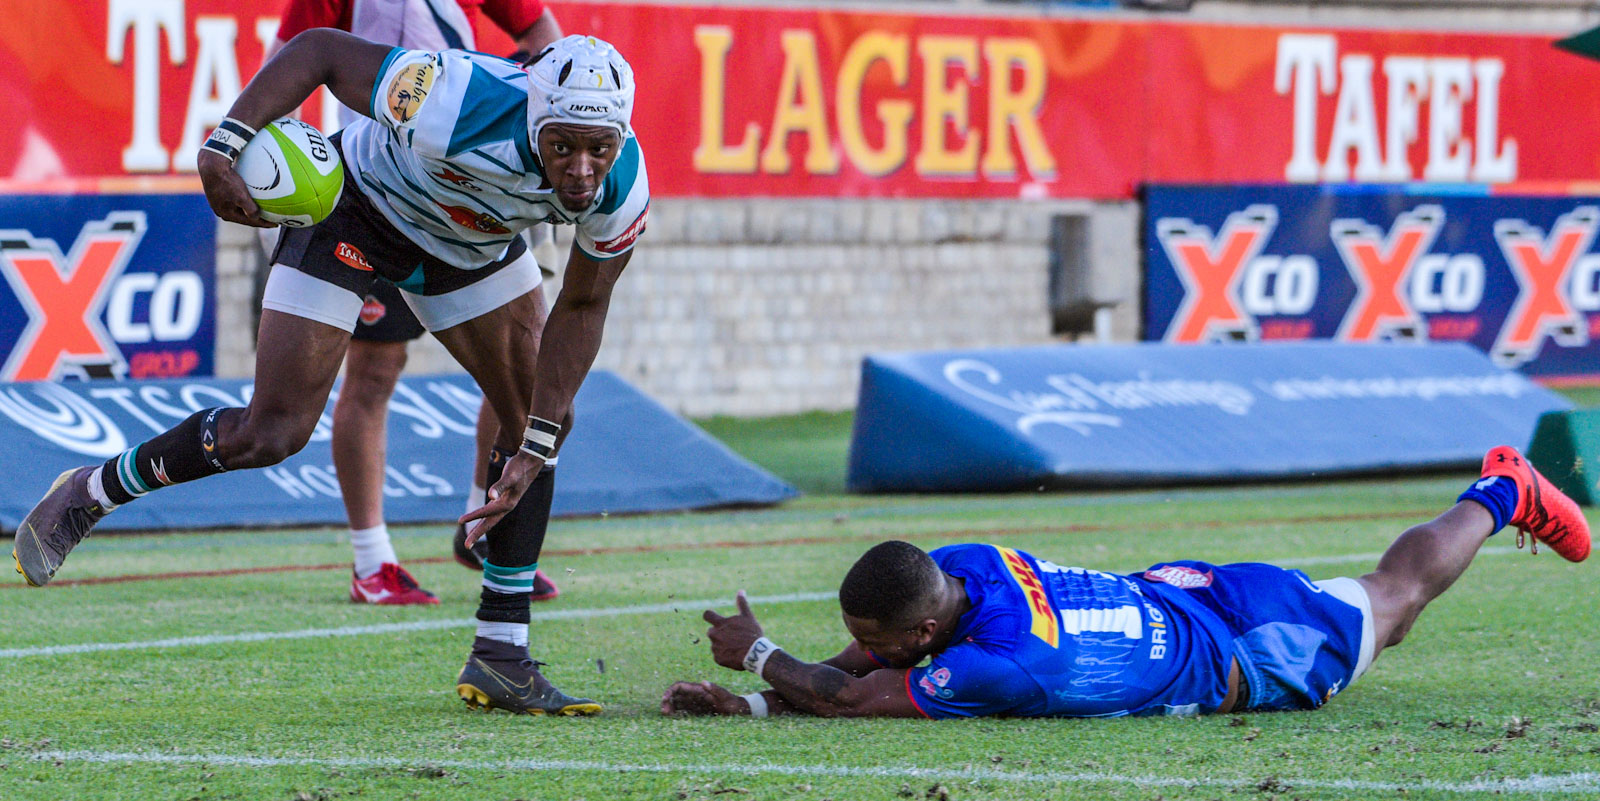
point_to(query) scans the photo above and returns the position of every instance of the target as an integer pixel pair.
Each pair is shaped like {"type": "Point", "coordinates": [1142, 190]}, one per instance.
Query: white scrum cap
{"type": "Point", "coordinates": [580, 80]}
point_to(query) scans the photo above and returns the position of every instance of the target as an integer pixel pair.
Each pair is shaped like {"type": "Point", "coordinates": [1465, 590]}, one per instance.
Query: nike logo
{"type": "Point", "coordinates": [374, 597]}
{"type": "Point", "coordinates": [521, 689]}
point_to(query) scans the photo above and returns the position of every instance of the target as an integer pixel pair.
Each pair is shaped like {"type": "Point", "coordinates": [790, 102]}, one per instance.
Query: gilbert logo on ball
{"type": "Point", "coordinates": [293, 173]}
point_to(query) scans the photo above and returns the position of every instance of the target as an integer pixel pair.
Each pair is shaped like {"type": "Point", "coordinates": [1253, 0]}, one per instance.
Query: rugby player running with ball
{"type": "Point", "coordinates": [459, 152]}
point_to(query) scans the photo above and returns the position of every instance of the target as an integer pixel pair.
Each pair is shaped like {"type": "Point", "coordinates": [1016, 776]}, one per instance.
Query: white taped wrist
{"type": "Point", "coordinates": [539, 438]}
{"type": "Point", "coordinates": [755, 659]}
{"type": "Point", "coordinates": [758, 704]}
{"type": "Point", "coordinates": [229, 139]}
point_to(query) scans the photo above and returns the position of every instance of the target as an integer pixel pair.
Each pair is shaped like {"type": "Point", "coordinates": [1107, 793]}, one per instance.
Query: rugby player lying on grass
{"type": "Point", "coordinates": [1010, 634]}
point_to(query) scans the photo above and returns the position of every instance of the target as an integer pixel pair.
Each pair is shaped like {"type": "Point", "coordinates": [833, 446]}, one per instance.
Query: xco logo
{"type": "Point", "coordinates": [1210, 269]}
{"type": "Point", "coordinates": [1542, 268]}
{"type": "Point", "coordinates": [1380, 265]}
{"type": "Point", "coordinates": [64, 296]}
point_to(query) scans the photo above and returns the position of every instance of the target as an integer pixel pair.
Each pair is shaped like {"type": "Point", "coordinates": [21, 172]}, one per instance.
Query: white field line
{"type": "Point", "coordinates": [392, 628]}
{"type": "Point", "coordinates": [561, 614]}
{"type": "Point", "coordinates": [1570, 783]}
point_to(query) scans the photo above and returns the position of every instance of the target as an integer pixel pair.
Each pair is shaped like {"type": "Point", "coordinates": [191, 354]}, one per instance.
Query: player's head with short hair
{"type": "Point", "coordinates": [895, 604]}
{"type": "Point", "coordinates": [893, 583]}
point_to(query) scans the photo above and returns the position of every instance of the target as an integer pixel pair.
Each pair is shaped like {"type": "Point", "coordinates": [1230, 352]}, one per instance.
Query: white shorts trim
{"type": "Point", "coordinates": [1351, 592]}
{"type": "Point", "coordinates": [438, 312]}
{"type": "Point", "coordinates": [293, 292]}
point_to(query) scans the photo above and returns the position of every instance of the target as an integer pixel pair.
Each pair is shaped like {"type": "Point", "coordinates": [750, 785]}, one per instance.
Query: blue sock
{"type": "Point", "coordinates": [1498, 494]}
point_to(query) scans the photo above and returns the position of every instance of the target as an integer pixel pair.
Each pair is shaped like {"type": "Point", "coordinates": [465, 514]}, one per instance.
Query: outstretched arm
{"type": "Point", "coordinates": [819, 689]}
{"type": "Point", "coordinates": [705, 698]}
{"type": "Point", "coordinates": [831, 693]}
{"type": "Point", "coordinates": [348, 65]}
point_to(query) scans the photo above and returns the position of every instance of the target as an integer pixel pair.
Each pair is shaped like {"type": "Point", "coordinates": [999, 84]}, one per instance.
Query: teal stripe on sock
{"type": "Point", "coordinates": [128, 471]}
{"type": "Point", "coordinates": [519, 577]}
{"type": "Point", "coordinates": [490, 567]}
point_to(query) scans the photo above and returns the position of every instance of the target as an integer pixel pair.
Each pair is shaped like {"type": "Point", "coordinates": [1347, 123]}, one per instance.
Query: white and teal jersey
{"type": "Point", "coordinates": [448, 160]}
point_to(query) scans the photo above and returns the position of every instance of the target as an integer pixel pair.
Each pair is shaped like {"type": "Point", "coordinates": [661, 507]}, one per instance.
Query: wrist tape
{"type": "Point", "coordinates": [229, 139]}
{"type": "Point", "coordinates": [755, 660]}
{"type": "Point", "coordinates": [758, 704]}
{"type": "Point", "coordinates": [539, 439]}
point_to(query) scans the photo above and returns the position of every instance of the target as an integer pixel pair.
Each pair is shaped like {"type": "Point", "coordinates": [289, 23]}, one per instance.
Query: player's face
{"type": "Point", "coordinates": [900, 646]}
{"type": "Point", "coordinates": [576, 159]}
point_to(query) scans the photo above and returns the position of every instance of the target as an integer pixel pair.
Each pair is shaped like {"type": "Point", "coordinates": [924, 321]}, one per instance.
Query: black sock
{"type": "Point", "coordinates": [184, 453]}
{"type": "Point", "coordinates": [503, 607]}
{"type": "Point", "coordinates": [519, 537]}
{"type": "Point", "coordinates": [514, 545]}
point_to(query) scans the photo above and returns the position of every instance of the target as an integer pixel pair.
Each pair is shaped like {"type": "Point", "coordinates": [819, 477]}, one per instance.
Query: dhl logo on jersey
{"type": "Point", "coordinates": [1045, 625]}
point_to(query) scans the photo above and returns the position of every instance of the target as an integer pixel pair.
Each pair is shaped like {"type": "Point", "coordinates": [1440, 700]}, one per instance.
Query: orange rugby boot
{"type": "Point", "coordinates": [1542, 510]}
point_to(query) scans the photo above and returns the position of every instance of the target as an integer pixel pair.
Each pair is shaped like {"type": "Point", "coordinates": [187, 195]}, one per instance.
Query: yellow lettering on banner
{"type": "Point", "coordinates": [942, 102]}
{"type": "Point", "coordinates": [712, 155]}
{"type": "Point", "coordinates": [1016, 109]}
{"type": "Point", "coordinates": [800, 109]}
{"type": "Point", "coordinates": [895, 51]}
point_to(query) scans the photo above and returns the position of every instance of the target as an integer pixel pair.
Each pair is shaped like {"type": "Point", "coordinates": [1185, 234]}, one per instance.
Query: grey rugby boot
{"type": "Point", "coordinates": [55, 526]}
{"type": "Point", "coordinates": [499, 675]}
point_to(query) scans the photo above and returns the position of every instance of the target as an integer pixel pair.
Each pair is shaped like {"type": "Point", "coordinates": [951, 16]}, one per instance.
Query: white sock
{"type": "Point", "coordinates": [372, 549]}
{"type": "Point", "coordinates": [514, 633]}
{"type": "Point", "coordinates": [476, 496]}
{"type": "Point", "coordinates": [97, 489]}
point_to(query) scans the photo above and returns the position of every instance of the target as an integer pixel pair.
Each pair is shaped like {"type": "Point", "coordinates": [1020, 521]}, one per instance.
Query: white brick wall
{"type": "Point", "coordinates": [766, 307]}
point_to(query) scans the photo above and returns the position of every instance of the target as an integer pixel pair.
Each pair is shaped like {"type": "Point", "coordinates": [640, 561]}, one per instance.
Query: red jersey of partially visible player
{"type": "Point", "coordinates": [512, 16]}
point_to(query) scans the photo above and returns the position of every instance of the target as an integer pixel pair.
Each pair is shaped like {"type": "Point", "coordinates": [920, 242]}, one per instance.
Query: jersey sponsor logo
{"type": "Point", "coordinates": [372, 310]}
{"type": "Point", "coordinates": [1184, 578]}
{"type": "Point", "coordinates": [1158, 633]}
{"type": "Point", "coordinates": [410, 88]}
{"type": "Point", "coordinates": [451, 176]}
{"type": "Point", "coordinates": [475, 220]}
{"type": "Point", "coordinates": [933, 683]}
{"type": "Point", "coordinates": [351, 255]}
{"type": "Point", "coordinates": [1542, 267]}
{"type": "Point", "coordinates": [626, 239]}
{"type": "Point", "coordinates": [1045, 626]}
{"type": "Point", "coordinates": [64, 295]}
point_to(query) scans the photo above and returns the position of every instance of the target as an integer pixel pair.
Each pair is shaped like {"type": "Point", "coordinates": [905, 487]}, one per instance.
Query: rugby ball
{"type": "Point", "coordinates": [293, 173]}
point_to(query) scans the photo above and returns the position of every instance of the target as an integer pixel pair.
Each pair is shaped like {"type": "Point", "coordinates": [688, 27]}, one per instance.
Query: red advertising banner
{"type": "Point", "coordinates": [1264, 105]}
{"type": "Point", "coordinates": [790, 102]}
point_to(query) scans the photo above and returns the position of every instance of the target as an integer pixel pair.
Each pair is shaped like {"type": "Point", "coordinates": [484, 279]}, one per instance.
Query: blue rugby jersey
{"type": "Point", "coordinates": [1043, 640]}
{"type": "Point", "coordinates": [448, 160]}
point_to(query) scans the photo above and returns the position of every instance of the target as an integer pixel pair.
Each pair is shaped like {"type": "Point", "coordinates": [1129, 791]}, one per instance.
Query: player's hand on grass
{"type": "Point", "coordinates": [503, 496]}
{"type": "Point", "coordinates": [731, 637]}
{"type": "Point", "coordinates": [702, 698]}
{"type": "Point", "coordinates": [225, 191]}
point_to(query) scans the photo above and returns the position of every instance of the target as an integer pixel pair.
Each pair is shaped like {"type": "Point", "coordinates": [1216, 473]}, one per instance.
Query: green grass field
{"type": "Point", "coordinates": [273, 686]}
